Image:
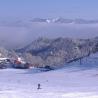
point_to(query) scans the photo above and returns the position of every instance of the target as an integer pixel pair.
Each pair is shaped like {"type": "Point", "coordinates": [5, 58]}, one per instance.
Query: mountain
{"type": "Point", "coordinates": [54, 52]}
{"type": "Point", "coordinates": [66, 21]}
{"type": "Point", "coordinates": [59, 51]}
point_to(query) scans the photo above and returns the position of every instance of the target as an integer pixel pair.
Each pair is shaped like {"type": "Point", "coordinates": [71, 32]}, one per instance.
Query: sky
{"type": "Point", "coordinates": [22, 32]}
{"type": "Point", "coordinates": [87, 9]}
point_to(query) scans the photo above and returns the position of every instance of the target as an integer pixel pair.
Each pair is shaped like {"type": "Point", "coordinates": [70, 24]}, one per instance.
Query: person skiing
{"type": "Point", "coordinates": [39, 86]}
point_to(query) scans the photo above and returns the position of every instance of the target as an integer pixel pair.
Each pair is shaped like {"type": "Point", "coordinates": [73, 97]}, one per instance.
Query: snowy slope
{"type": "Point", "coordinates": [70, 82]}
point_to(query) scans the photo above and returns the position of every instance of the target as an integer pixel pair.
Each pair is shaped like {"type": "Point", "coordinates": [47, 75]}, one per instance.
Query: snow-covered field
{"type": "Point", "coordinates": [75, 81]}
{"type": "Point", "coordinates": [62, 83]}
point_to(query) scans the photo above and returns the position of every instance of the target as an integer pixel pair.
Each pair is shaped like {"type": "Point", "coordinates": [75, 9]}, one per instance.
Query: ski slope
{"type": "Point", "coordinates": [68, 82]}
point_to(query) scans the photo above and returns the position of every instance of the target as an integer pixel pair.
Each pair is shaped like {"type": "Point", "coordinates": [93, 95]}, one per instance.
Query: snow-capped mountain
{"type": "Point", "coordinates": [63, 20]}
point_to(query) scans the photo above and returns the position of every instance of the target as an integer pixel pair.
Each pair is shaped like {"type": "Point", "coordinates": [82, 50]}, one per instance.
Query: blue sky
{"type": "Point", "coordinates": [87, 9]}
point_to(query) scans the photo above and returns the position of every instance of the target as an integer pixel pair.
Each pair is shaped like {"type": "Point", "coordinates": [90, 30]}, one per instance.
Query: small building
{"type": "Point", "coordinates": [5, 63]}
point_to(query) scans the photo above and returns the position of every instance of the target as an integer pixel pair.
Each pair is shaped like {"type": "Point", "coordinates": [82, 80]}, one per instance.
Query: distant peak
{"type": "Point", "coordinates": [64, 20]}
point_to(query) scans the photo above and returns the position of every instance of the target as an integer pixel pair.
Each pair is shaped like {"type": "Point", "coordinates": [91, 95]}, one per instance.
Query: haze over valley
{"type": "Point", "coordinates": [17, 33]}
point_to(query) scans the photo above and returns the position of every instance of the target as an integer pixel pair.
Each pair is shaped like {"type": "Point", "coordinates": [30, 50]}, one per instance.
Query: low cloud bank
{"type": "Point", "coordinates": [21, 33]}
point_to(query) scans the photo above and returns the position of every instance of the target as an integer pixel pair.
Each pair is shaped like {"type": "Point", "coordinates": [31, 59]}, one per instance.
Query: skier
{"type": "Point", "coordinates": [39, 86]}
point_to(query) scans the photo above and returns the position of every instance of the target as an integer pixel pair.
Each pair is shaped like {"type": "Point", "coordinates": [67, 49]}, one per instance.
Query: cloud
{"type": "Point", "coordinates": [25, 32]}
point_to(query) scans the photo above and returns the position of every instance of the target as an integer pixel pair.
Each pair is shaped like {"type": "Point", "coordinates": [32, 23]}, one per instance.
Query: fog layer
{"type": "Point", "coordinates": [19, 33]}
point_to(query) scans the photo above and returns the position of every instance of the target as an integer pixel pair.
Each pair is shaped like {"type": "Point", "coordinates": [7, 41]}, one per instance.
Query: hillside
{"type": "Point", "coordinates": [52, 52]}
{"type": "Point", "coordinates": [57, 52]}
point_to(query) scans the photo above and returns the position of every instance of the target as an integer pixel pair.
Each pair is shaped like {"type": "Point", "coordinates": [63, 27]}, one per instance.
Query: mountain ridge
{"type": "Point", "coordinates": [65, 20]}
{"type": "Point", "coordinates": [58, 51]}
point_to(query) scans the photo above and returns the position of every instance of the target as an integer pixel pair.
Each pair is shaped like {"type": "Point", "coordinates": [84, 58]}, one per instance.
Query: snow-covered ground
{"type": "Point", "coordinates": [56, 84]}
{"type": "Point", "coordinates": [68, 82]}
